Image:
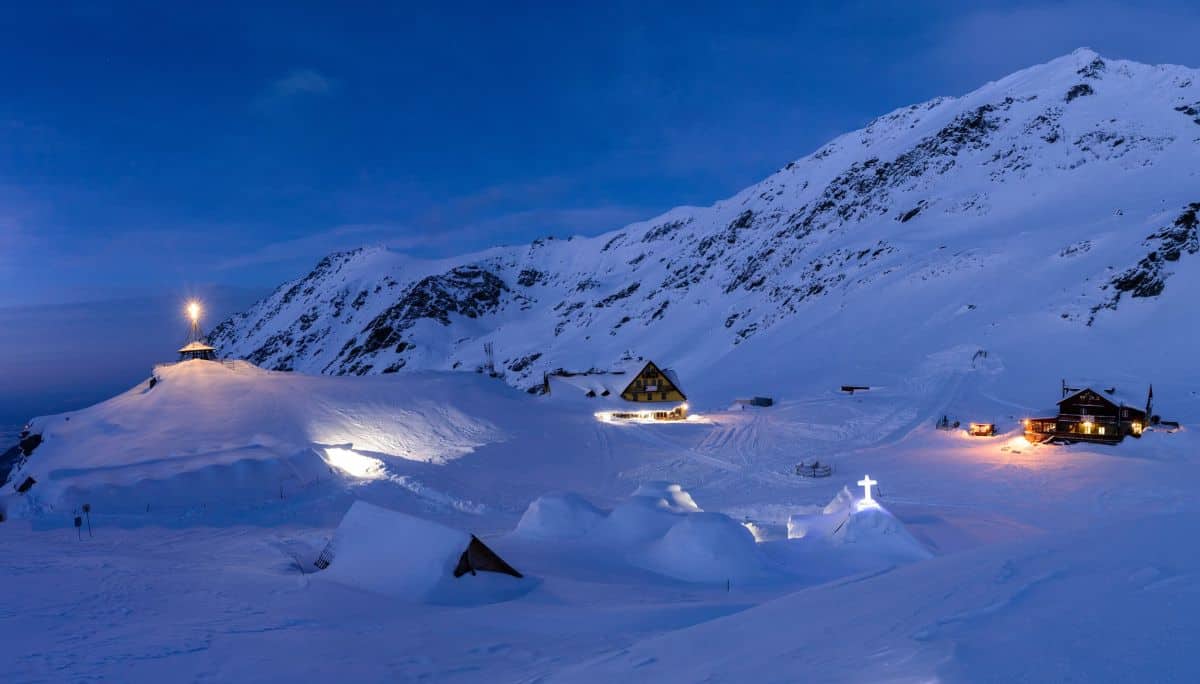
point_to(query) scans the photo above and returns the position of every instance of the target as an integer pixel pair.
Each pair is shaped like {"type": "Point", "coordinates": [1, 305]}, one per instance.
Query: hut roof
{"type": "Point", "coordinates": [195, 347]}
{"type": "Point", "coordinates": [1111, 397]}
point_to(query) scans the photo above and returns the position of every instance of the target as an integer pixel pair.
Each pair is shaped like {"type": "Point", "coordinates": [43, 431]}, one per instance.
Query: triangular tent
{"type": "Point", "coordinates": [478, 557]}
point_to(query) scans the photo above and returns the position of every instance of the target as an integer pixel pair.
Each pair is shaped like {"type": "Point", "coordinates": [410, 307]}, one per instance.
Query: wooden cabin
{"type": "Point", "coordinates": [1086, 415]}
{"type": "Point", "coordinates": [633, 390]}
{"type": "Point", "coordinates": [652, 384]}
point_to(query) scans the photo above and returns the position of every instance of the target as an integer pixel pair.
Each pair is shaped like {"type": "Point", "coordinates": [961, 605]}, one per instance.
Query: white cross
{"type": "Point", "coordinates": [866, 483]}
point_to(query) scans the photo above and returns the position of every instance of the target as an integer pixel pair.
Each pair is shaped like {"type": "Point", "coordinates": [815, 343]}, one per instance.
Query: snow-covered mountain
{"type": "Point", "coordinates": [1063, 199]}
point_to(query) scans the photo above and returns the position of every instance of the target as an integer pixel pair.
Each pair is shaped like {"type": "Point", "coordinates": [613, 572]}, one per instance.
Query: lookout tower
{"type": "Point", "coordinates": [196, 347]}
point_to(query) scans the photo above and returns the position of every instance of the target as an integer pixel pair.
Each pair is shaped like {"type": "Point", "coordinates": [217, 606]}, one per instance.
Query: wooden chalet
{"type": "Point", "coordinates": [651, 385]}
{"type": "Point", "coordinates": [637, 390]}
{"type": "Point", "coordinates": [1087, 415]}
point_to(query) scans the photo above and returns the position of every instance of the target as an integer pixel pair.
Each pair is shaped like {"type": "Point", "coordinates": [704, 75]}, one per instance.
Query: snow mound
{"type": "Point", "coordinates": [857, 525]}
{"type": "Point", "coordinates": [705, 547]}
{"type": "Point", "coordinates": [205, 435]}
{"type": "Point", "coordinates": [658, 528]}
{"type": "Point", "coordinates": [412, 559]}
{"type": "Point", "coordinates": [654, 508]}
{"type": "Point", "coordinates": [821, 521]}
{"type": "Point", "coordinates": [676, 498]}
{"type": "Point", "coordinates": [639, 520]}
{"type": "Point", "coordinates": [876, 528]}
{"type": "Point", "coordinates": [564, 515]}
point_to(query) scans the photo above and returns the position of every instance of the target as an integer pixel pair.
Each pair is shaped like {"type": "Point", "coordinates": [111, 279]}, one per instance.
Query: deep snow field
{"type": "Point", "coordinates": [650, 552]}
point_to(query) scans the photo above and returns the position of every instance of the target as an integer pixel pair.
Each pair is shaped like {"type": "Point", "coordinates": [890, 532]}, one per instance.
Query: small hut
{"type": "Point", "coordinates": [197, 350]}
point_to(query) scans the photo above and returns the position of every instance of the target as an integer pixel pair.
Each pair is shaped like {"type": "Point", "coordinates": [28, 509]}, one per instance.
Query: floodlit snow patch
{"type": "Point", "coordinates": [355, 464]}
{"type": "Point", "coordinates": [409, 558]}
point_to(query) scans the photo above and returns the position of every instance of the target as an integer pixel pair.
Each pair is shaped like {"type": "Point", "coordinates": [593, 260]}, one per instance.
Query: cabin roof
{"type": "Point", "coordinates": [195, 347]}
{"type": "Point", "coordinates": [634, 368]}
{"type": "Point", "coordinates": [1116, 399]}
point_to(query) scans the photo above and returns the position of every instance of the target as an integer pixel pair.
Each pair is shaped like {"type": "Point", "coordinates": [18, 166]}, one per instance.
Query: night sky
{"type": "Point", "coordinates": [162, 150]}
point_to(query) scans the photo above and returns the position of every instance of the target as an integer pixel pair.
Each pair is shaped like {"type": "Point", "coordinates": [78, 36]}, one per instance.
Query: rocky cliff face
{"type": "Point", "coordinates": [1062, 192]}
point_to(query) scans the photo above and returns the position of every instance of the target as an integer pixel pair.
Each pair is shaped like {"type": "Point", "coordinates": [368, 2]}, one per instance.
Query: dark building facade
{"type": "Point", "coordinates": [1085, 415]}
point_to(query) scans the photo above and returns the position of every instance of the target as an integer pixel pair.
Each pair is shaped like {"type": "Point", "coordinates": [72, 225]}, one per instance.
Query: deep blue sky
{"type": "Point", "coordinates": [158, 149]}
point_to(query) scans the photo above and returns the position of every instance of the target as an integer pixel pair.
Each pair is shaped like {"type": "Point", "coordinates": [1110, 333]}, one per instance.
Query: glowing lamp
{"type": "Point", "coordinates": [193, 311]}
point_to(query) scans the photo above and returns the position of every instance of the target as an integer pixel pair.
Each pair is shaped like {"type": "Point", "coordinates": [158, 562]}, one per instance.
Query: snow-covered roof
{"type": "Point", "coordinates": [195, 347]}
{"type": "Point", "coordinates": [605, 386]}
{"type": "Point", "coordinates": [1116, 398]}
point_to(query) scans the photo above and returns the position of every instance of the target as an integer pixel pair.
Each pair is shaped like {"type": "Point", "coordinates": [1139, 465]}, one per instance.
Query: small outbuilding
{"type": "Point", "coordinates": [197, 350]}
{"type": "Point", "coordinates": [981, 429]}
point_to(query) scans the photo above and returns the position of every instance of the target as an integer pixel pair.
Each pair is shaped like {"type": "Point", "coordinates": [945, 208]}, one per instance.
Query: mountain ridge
{"type": "Point", "coordinates": [1094, 158]}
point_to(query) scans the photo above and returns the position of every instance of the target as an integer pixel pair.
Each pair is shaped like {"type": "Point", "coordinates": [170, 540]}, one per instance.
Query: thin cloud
{"type": "Point", "coordinates": [314, 246]}
{"type": "Point", "coordinates": [302, 82]}
{"type": "Point", "coordinates": [562, 222]}
{"type": "Point", "coordinates": [295, 84]}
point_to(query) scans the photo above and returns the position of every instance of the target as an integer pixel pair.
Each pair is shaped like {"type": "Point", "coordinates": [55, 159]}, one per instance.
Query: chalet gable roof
{"type": "Point", "coordinates": [1114, 400]}
{"type": "Point", "coordinates": [641, 368]}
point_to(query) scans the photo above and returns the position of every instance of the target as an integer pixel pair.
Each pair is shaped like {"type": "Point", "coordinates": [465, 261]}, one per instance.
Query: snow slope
{"type": "Point", "coordinates": [1112, 604]}
{"type": "Point", "coordinates": [1056, 204]}
{"type": "Point", "coordinates": [960, 257]}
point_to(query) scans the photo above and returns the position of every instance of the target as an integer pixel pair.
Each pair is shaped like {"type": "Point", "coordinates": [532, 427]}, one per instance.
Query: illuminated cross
{"type": "Point", "coordinates": [866, 483]}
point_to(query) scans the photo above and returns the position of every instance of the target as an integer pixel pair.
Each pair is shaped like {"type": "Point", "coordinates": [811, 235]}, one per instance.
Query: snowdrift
{"type": "Point", "coordinates": [412, 559]}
